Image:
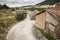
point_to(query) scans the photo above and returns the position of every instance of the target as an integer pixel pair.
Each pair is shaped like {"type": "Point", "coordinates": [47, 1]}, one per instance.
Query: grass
{"type": "Point", "coordinates": [32, 9]}
{"type": "Point", "coordinates": [46, 34]}
{"type": "Point", "coordinates": [6, 20]}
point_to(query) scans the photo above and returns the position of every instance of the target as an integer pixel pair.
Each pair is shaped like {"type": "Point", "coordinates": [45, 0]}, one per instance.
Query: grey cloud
{"type": "Point", "coordinates": [16, 3]}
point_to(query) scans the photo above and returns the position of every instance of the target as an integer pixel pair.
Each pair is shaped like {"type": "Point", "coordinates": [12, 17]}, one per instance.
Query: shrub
{"type": "Point", "coordinates": [5, 23]}
{"type": "Point", "coordinates": [20, 16]}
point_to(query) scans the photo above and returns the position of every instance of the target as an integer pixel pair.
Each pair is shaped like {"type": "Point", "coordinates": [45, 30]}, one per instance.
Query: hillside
{"type": "Point", "coordinates": [3, 7]}
{"type": "Point", "coordinates": [49, 2]}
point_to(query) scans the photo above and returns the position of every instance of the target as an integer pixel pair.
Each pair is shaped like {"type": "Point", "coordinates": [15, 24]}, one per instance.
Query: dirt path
{"type": "Point", "coordinates": [22, 30]}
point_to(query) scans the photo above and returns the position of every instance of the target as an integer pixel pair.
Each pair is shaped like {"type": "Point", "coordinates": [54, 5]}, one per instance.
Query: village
{"type": "Point", "coordinates": [47, 18]}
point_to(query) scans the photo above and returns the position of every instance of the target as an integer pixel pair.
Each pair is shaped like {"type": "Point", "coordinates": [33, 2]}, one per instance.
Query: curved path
{"type": "Point", "coordinates": [22, 30]}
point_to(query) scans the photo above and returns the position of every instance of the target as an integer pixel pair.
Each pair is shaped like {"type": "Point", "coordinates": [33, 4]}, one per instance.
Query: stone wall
{"type": "Point", "coordinates": [51, 23]}
{"type": "Point", "coordinates": [40, 20]}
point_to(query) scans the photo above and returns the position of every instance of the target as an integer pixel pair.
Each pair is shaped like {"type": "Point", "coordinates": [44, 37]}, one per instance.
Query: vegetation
{"type": "Point", "coordinates": [32, 9]}
{"type": "Point", "coordinates": [20, 16]}
{"type": "Point", "coordinates": [49, 2]}
{"type": "Point", "coordinates": [7, 20]}
{"type": "Point", "coordinates": [46, 34]}
{"type": "Point", "coordinates": [4, 14]}
{"type": "Point", "coordinates": [4, 7]}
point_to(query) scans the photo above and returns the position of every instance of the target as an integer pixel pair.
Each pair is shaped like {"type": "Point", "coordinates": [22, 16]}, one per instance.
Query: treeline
{"type": "Point", "coordinates": [3, 7]}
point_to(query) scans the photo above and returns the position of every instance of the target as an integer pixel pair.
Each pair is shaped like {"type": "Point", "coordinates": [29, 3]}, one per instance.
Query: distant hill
{"type": "Point", "coordinates": [49, 2]}
{"type": "Point", "coordinates": [3, 7]}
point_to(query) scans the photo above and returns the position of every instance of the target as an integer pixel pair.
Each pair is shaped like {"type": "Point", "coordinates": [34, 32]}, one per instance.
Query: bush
{"type": "Point", "coordinates": [5, 23]}
{"type": "Point", "coordinates": [20, 16]}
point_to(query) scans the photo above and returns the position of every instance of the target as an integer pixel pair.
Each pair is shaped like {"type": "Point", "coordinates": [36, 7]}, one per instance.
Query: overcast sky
{"type": "Point", "coordinates": [16, 3]}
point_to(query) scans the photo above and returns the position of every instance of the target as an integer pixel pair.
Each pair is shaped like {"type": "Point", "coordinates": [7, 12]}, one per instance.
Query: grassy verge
{"type": "Point", "coordinates": [46, 34]}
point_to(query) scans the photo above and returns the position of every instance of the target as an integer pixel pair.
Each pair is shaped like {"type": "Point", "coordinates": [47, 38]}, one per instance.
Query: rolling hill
{"type": "Point", "coordinates": [49, 2]}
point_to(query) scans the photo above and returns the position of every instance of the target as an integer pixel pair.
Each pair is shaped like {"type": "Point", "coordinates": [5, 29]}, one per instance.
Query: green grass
{"type": "Point", "coordinates": [32, 9]}
{"type": "Point", "coordinates": [46, 34]}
